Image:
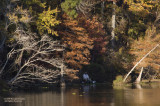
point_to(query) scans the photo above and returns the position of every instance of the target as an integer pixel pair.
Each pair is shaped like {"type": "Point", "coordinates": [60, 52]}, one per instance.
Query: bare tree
{"type": "Point", "coordinates": [86, 6]}
{"type": "Point", "coordinates": [34, 58]}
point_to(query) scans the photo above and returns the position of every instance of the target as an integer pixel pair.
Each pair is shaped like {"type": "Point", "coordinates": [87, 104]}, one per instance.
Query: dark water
{"type": "Point", "coordinates": [93, 95]}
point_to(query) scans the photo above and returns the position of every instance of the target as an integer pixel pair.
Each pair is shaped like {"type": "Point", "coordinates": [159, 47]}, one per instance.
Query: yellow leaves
{"type": "Point", "coordinates": [39, 2]}
{"type": "Point", "coordinates": [43, 5]}
{"type": "Point", "coordinates": [47, 21]}
{"type": "Point", "coordinates": [142, 7]}
{"type": "Point", "coordinates": [10, 40]}
{"type": "Point", "coordinates": [12, 17]}
{"type": "Point", "coordinates": [121, 50]}
{"type": "Point", "coordinates": [19, 15]}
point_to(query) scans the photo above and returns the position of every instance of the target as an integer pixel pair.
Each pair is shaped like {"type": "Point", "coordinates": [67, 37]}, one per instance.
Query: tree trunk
{"type": "Point", "coordinates": [2, 43]}
{"type": "Point", "coordinates": [102, 9]}
{"type": "Point", "coordinates": [113, 25]}
{"type": "Point", "coordinates": [138, 86]}
{"type": "Point", "coordinates": [139, 62]}
{"type": "Point", "coordinates": [62, 82]}
{"type": "Point", "coordinates": [138, 80]}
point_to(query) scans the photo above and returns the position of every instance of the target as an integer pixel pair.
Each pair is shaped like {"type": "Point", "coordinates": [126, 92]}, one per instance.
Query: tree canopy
{"type": "Point", "coordinates": [43, 40]}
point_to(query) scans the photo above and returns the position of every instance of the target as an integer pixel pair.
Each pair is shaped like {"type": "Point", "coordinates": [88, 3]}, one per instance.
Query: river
{"type": "Point", "coordinates": [85, 95]}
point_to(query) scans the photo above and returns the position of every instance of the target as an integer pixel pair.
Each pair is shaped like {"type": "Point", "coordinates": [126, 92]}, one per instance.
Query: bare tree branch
{"type": "Point", "coordinates": [139, 62]}
{"type": "Point", "coordinates": [8, 57]}
{"type": "Point", "coordinates": [86, 6]}
{"type": "Point", "coordinates": [39, 56]}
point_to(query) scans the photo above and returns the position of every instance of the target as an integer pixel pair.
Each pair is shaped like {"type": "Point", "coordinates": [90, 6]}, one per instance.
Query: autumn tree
{"type": "Point", "coordinates": [142, 18]}
{"type": "Point", "coordinates": [141, 14]}
{"type": "Point", "coordinates": [47, 21]}
{"type": "Point", "coordinates": [78, 46]}
{"type": "Point", "coordinates": [141, 47]}
{"type": "Point", "coordinates": [97, 32]}
{"type": "Point", "coordinates": [100, 30]}
{"type": "Point", "coordinates": [44, 16]}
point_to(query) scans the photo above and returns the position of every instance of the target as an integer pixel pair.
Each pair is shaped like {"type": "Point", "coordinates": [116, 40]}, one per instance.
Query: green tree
{"type": "Point", "coordinates": [69, 7]}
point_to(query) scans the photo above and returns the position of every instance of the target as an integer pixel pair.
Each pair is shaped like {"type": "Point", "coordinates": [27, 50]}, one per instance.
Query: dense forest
{"type": "Point", "coordinates": [48, 41]}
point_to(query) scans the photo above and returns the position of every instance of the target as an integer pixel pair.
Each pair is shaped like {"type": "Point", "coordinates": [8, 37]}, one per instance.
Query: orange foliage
{"type": "Point", "coordinates": [97, 33]}
{"type": "Point", "coordinates": [78, 45]}
{"type": "Point", "coordinates": [144, 45]}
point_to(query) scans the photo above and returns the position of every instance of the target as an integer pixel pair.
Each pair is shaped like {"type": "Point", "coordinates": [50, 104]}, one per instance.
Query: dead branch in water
{"type": "Point", "coordinates": [139, 62]}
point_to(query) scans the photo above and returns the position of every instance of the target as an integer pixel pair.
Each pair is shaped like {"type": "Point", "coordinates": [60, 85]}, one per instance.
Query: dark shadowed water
{"type": "Point", "coordinates": [85, 95]}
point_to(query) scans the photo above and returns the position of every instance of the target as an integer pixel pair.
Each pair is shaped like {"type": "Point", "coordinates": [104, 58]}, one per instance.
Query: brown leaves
{"type": "Point", "coordinates": [78, 44]}
{"type": "Point", "coordinates": [97, 33]}
{"type": "Point", "coordinates": [144, 45]}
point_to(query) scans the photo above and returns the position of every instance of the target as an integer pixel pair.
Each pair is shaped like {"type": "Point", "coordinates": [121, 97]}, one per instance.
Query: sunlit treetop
{"type": "Point", "coordinates": [47, 21]}
{"type": "Point", "coordinates": [142, 7]}
{"type": "Point", "coordinates": [19, 15]}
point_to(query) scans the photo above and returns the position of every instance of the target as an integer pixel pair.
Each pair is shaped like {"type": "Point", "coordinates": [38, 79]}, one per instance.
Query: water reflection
{"type": "Point", "coordinates": [62, 96]}
{"type": "Point", "coordinates": [143, 95]}
{"type": "Point", "coordinates": [89, 95]}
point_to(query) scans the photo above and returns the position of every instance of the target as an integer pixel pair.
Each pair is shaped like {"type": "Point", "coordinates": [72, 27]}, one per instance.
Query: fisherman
{"type": "Point", "coordinates": [86, 77]}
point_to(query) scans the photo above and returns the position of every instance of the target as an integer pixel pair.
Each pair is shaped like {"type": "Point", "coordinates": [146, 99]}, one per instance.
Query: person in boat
{"type": "Point", "coordinates": [86, 78]}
